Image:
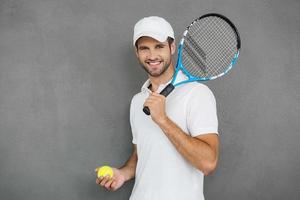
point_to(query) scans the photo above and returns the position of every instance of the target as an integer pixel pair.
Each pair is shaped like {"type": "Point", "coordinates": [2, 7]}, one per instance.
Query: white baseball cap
{"type": "Point", "coordinates": [153, 26]}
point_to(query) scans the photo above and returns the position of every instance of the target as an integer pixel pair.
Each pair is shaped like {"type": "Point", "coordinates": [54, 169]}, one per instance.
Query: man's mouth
{"type": "Point", "coordinates": [154, 63]}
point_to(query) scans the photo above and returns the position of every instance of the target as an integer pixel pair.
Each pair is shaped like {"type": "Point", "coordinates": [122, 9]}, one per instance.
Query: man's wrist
{"type": "Point", "coordinates": [163, 121]}
{"type": "Point", "coordinates": [126, 173]}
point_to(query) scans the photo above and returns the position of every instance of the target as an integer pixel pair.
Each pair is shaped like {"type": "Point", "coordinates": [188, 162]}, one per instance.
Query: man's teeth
{"type": "Point", "coordinates": [154, 63]}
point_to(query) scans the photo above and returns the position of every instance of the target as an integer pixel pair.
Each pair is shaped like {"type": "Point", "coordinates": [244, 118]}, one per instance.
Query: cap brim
{"type": "Point", "coordinates": [158, 37]}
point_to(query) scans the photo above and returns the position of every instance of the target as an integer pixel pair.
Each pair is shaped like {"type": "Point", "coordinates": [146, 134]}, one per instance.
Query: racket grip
{"type": "Point", "coordinates": [165, 92]}
{"type": "Point", "coordinates": [146, 110]}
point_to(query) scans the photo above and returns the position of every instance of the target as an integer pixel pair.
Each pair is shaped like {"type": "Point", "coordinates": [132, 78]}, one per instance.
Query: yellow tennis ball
{"type": "Point", "coordinates": [105, 171]}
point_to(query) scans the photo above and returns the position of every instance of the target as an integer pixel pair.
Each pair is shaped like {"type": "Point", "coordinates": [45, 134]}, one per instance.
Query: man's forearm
{"type": "Point", "coordinates": [197, 152]}
{"type": "Point", "coordinates": [129, 167]}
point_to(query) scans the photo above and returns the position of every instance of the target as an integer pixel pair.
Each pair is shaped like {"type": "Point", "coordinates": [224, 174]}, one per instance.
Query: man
{"type": "Point", "coordinates": [178, 144]}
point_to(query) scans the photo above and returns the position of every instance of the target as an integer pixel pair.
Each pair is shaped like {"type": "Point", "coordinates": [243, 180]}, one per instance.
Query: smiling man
{"type": "Point", "coordinates": [178, 144]}
{"type": "Point", "coordinates": [155, 65]}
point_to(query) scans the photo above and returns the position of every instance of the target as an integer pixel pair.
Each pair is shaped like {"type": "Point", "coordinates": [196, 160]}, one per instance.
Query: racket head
{"type": "Point", "coordinates": [209, 48]}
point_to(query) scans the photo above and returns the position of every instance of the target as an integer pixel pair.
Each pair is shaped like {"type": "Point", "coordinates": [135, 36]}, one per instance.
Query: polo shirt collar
{"type": "Point", "coordinates": [180, 77]}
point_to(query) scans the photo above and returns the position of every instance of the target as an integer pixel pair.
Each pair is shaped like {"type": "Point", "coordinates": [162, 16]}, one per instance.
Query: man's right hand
{"type": "Point", "coordinates": [113, 183]}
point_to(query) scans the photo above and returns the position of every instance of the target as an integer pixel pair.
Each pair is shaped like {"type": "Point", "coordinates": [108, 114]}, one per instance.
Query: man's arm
{"type": "Point", "coordinates": [121, 175]}
{"type": "Point", "coordinates": [200, 151]}
{"type": "Point", "coordinates": [128, 169]}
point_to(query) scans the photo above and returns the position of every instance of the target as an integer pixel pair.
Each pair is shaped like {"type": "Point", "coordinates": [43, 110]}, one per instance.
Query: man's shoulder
{"type": "Point", "coordinates": [137, 97]}
{"type": "Point", "coordinates": [195, 87]}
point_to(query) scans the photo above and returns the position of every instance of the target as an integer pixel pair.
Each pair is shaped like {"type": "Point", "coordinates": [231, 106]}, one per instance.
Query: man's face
{"type": "Point", "coordinates": [154, 56]}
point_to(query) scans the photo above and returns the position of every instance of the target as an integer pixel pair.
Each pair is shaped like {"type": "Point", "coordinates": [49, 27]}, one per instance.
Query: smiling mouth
{"type": "Point", "coordinates": [153, 63]}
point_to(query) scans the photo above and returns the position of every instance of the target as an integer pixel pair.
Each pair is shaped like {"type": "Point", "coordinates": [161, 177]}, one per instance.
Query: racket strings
{"type": "Point", "coordinates": [197, 55]}
{"type": "Point", "coordinates": [216, 43]}
{"type": "Point", "coordinates": [222, 45]}
{"type": "Point", "coordinates": [209, 47]}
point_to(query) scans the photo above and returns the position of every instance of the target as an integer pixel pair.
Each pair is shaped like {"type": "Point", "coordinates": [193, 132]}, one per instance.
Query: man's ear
{"type": "Point", "coordinates": [136, 51]}
{"type": "Point", "coordinates": [173, 48]}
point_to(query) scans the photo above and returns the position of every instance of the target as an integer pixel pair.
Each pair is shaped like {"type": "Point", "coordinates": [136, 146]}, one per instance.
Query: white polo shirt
{"type": "Point", "coordinates": [162, 173]}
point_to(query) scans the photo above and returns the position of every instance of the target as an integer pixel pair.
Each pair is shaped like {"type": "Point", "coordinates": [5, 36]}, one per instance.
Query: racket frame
{"type": "Point", "coordinates": [179, 66]}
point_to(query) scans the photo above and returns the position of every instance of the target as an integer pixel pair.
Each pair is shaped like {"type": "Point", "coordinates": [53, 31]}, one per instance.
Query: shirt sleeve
{"type": "Point", "coordinates": [202, 111]}
{"type": "Point", "coordinates": [133, 131]}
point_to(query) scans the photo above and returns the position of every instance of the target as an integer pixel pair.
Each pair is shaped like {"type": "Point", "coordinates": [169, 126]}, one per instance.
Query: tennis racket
{"type": "Point", "coordinates": [209, 48]}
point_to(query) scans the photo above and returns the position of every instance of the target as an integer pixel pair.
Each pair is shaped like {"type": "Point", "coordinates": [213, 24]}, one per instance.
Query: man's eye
{"type": "Point", "coordinates": [142, 48]}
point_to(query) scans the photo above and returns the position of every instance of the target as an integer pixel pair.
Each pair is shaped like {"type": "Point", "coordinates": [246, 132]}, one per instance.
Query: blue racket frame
{"type": "Point", "coordinates": [180, 67]}
{"type": "Point", "coordinates": [191, 78]}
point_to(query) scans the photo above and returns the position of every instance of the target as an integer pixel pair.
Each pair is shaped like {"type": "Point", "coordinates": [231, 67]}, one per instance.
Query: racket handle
{"type": "Point", "coordinates": [166, 91]}
{"type": "Point", "coordinates": [146, 110]}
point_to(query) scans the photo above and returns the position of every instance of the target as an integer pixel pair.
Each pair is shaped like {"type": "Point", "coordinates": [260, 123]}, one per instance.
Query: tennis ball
{"type": "Point", "coordinates": [105, 171]}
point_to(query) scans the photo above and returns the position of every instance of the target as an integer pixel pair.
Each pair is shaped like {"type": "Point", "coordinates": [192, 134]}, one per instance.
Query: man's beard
{"type": "Point", "coordinates": [160, 72]}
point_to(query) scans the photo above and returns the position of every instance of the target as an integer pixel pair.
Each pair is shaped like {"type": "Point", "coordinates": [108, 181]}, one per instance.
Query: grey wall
{"type": "Point", "coordinates": [68, 72]}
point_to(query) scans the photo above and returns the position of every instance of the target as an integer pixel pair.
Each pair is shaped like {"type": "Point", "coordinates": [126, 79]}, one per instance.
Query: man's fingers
{"type": "Point", "coordinates": [153, 99]}
{"type": "Point", "coordinates": [156, 94]}
{"type": "Point", "coordinates": [114, 186]}
{"type": "Point", "coordinates": [104, 180]}
{"type": "Point", "coordinates": [108, 184]}
{"type": "Point", "coordinates": [151, 102]}
{"type": "Point", "coordinates": [99, 179]}
{"type": "Point", "coordinates": [156, 98]}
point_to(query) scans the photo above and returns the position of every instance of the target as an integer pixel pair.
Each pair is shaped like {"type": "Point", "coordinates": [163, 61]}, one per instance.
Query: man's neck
{"type": "Point", "coordinates": [162, 79]}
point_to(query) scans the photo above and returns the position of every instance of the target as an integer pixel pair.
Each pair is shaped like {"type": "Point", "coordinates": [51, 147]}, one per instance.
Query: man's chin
{"type": "Point", "coordinates": [154, 74]}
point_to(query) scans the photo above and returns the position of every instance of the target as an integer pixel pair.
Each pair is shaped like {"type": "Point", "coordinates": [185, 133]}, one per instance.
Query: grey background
{"type": "Point", "coordinates": [68, 72]}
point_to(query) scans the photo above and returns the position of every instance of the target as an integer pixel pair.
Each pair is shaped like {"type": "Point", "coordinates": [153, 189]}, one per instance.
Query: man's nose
{"type": "Point", "coordinates": [152, 55]}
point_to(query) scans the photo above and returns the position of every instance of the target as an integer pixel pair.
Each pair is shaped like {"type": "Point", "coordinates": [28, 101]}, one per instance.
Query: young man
{"type": "Point", "coordinates": [177, 144]}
